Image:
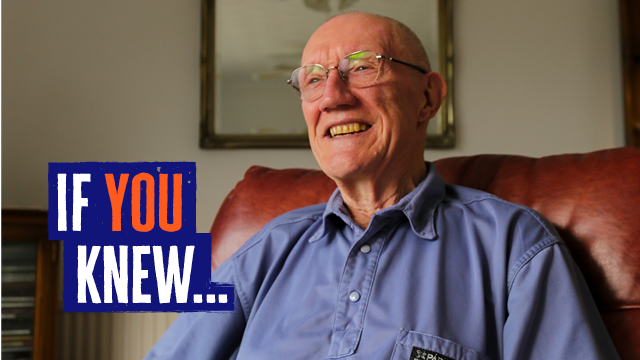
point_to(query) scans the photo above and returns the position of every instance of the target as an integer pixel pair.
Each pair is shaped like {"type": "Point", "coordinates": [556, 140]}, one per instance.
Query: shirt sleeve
{"type": "Point", "coordinates": [551, 312]}
{"type": "Point", "coordinates": [203, 335]}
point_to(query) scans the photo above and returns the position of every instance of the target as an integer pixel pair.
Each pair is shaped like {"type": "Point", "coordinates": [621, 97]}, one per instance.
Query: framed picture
{"type": "Point", "coordinates": [249, 49]}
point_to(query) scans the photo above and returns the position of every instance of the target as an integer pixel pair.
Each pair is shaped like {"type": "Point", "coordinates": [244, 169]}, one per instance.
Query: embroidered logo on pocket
{"type": "Point", "coordinates": [422, 354]}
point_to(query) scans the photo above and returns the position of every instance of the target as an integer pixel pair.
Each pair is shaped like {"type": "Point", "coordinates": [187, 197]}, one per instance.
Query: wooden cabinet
{"type": "Point", "coordinates": [29, 286]}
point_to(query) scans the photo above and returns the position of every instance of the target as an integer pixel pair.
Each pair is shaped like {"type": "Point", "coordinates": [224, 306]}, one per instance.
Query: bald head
{"type": "Point", "coordinates": [400, 33]}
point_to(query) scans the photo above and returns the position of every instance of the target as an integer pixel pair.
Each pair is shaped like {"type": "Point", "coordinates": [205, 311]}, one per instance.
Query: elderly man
{"type": "Point", "coordinates": [397, 265]}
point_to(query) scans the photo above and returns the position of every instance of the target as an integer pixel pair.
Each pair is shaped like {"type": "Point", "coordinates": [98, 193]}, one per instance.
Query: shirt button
{"type": "Point", "coordinates": [354, 296]}
{"type": "Point", "coordinates": [365, 249]}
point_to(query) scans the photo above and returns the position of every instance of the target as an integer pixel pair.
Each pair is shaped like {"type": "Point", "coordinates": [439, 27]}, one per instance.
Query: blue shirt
{"type": "Point", "coordinates": [448, 272]}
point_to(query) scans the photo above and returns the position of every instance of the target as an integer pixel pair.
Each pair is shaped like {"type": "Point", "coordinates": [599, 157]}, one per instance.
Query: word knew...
{"type": "Point", "coordinates": [118, 276]}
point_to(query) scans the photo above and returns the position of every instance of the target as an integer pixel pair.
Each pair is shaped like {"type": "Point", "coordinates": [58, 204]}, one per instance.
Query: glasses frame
{"type": "Point", "coordinates": [444, 138]}
{"type": "Point", "coordinates": [342, 76]}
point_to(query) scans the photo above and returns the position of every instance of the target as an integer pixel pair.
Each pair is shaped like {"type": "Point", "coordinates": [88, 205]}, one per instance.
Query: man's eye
{"type": "Point", "coordinates": [312, 81]}
{"type": "Point", "coordinates": [362, 66]}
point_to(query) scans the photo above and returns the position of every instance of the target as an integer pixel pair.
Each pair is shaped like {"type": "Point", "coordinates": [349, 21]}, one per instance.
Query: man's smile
{"type": "Point", "coordinates": [347, 129]}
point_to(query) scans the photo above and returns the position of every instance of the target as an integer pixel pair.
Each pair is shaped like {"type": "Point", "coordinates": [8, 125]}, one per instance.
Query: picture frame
{"type": "Point", "coordinates": [231, 85]}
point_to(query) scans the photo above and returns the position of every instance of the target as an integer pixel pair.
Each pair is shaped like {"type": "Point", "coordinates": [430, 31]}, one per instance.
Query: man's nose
{"type": "Point", "coordinates": [337, 92]}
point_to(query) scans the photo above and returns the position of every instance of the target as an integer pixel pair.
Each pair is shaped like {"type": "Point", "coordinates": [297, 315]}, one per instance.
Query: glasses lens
{"type": "Point", "coordinates": [360, 69]}
{"type": "Point", "coordinates": [309, 81]}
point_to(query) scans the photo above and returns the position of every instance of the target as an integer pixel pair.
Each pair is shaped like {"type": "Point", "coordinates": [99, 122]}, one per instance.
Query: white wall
{"type": "Point", "coordinates": [119, 81]}
{"type": "Point", "coordinates": [537, 77]}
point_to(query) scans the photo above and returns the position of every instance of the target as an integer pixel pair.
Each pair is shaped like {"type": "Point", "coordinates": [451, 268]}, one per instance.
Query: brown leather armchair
{"type": "Point", "coordinates": [592, 199]}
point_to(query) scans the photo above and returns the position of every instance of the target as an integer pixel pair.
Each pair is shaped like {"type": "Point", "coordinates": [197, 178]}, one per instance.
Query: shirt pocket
{"type": "Point", "coordinates": [412, 345]}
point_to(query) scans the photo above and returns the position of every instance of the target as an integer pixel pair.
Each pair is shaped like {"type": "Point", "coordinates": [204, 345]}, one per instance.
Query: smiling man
{"type": "Point", "coordinates": [391, 101]}
{"type": "Point", "coordinates": [396, 265]}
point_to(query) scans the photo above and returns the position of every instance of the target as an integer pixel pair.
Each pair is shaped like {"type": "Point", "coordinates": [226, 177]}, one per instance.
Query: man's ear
{"type": "Point", "coordinates": [435, 90]}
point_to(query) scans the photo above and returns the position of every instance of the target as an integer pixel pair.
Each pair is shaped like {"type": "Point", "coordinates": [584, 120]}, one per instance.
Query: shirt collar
{"type": "Point", "coordinates": [418, 206]}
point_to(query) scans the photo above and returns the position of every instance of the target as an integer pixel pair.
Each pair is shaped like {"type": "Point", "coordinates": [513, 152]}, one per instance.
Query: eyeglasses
{"type": "Point", "coordinates": [359, 69]}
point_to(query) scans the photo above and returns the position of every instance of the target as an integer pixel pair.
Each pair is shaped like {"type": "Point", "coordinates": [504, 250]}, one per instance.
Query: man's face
{"type": "Point", "coordinates": [392, 110]}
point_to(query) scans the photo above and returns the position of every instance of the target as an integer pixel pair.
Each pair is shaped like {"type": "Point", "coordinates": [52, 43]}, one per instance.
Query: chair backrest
{"type": "Point", "coordinates": [592, 199]}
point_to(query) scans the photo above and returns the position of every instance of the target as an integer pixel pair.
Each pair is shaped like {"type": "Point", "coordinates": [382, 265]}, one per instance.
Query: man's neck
{"type": "Point", "coordinates": [363, 197]}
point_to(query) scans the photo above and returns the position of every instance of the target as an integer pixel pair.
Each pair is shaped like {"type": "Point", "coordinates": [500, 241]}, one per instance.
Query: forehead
{"type": "Point", "coordinates": [348, 33]}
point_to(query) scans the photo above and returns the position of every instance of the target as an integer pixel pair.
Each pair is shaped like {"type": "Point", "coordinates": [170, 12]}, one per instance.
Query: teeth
{"type": "Point", "coordinates": [341, 130]}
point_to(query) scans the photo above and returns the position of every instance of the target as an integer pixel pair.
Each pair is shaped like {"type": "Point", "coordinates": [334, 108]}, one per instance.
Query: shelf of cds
{"type": "Point", "coordinates": [29, 286]}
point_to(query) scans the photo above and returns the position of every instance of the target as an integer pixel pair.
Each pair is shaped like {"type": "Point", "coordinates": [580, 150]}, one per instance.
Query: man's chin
{"type": "Point", "coordinates": [344, 170]}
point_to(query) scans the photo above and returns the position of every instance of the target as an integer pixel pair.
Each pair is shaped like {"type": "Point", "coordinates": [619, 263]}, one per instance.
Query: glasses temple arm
{"type": "Point", "coordinates": [405, 63]}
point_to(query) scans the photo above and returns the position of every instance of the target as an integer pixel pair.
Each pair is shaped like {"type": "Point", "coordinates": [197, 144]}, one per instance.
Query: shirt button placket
{"type": "Point", "coordinates": [357, 284]}
{"type": "Point", "coordinates": [354, 296]}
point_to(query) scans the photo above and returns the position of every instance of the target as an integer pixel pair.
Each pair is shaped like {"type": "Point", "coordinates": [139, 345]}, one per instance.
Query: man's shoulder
{"type": "Point", "coordinates": [521, 222]}
{"type": "Point", "coordinates": [284, 229]}
{"type": "Point", "coordinates": [471, 198]}
{"type": "Point", "coordinates": [499, 227]}
{"type": "Point", "coordinates": [313, 212]}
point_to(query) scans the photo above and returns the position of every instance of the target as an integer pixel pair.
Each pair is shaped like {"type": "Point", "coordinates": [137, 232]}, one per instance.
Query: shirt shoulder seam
{"type": "Point", "coordinates": [246, 310]}
{"type": "Point", "coordinates": [487, 196]}
{"type": "Point", "coordinates": [272, 226]}
{"type": "Point", "coordinates": [528, 256]}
